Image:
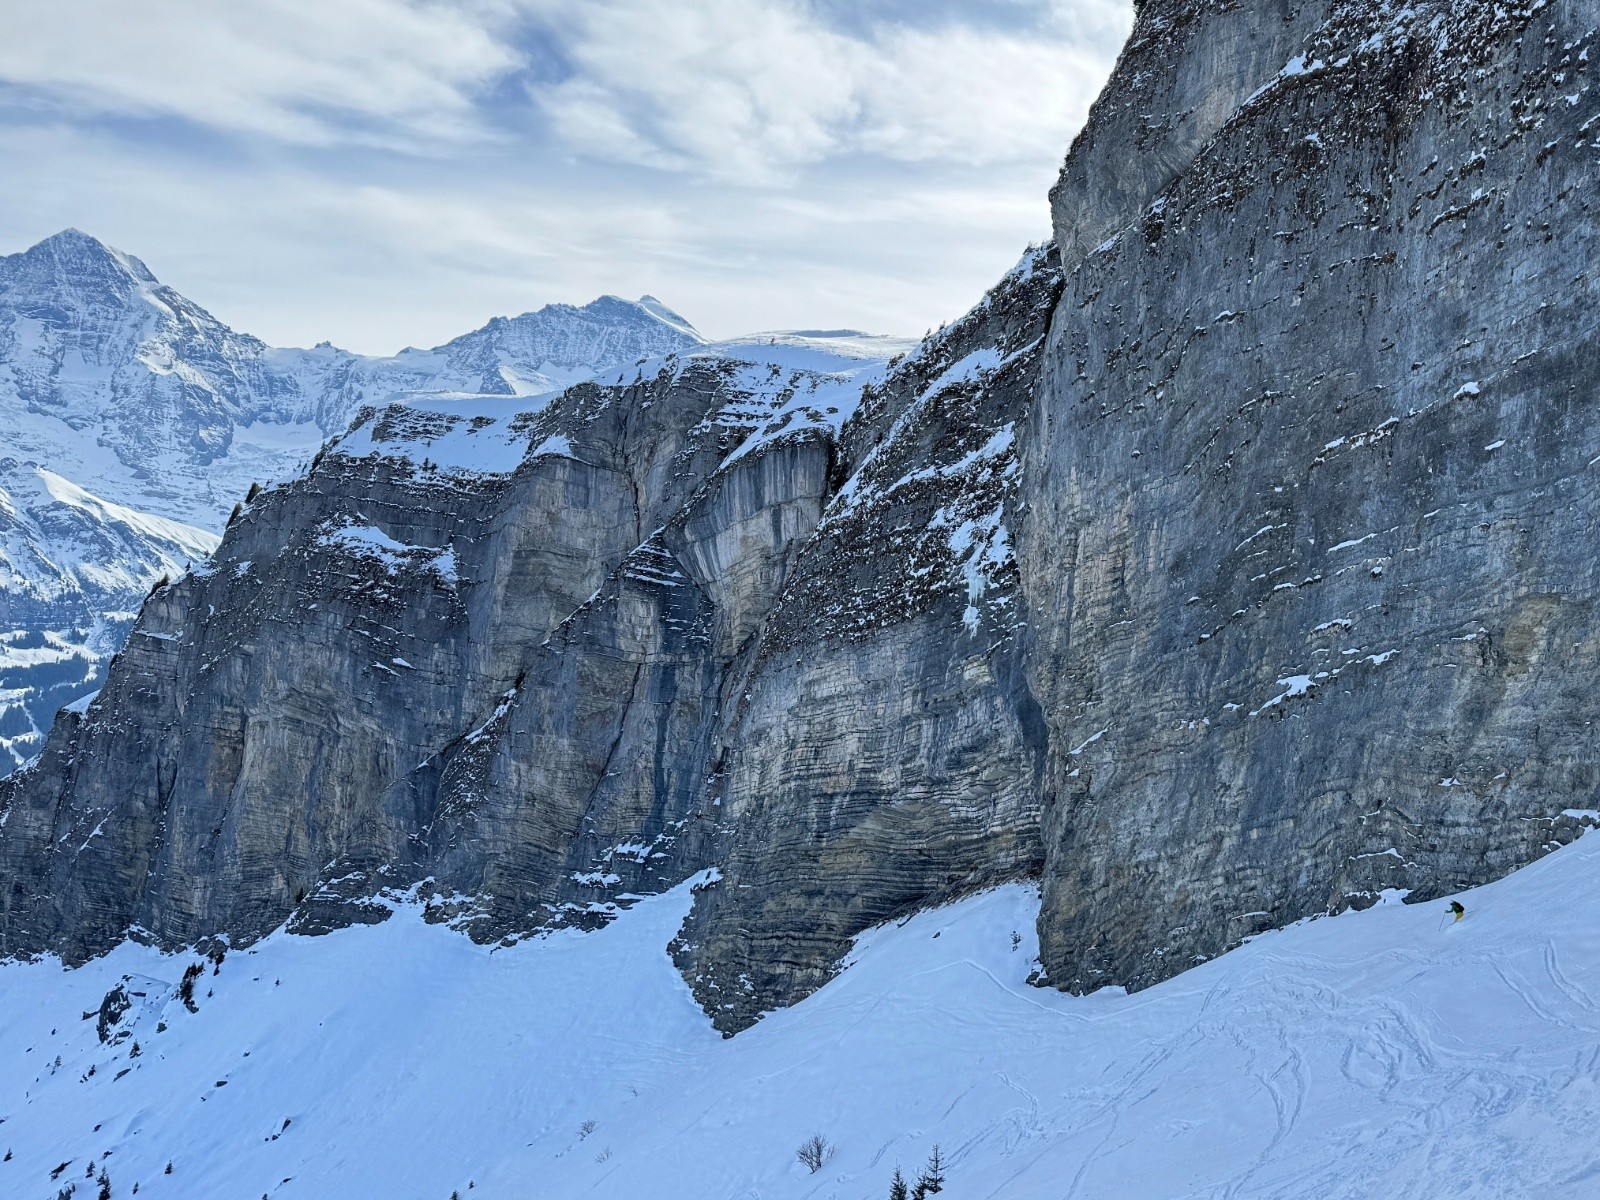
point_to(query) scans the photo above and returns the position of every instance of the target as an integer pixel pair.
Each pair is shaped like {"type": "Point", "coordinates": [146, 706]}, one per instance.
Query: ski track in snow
{"type": "Point", "coordinates": [1373, 1054]}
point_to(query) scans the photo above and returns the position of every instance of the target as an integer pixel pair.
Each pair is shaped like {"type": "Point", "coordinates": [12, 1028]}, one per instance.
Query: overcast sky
{"type": "Point", "coordinates": [389, 172]}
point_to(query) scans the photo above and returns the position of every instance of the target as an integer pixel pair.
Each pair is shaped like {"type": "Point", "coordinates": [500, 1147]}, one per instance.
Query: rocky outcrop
{"type": "Point", "coordinates": [538, 663]}
{"type": "Point", "coordinates": [883, 750]}
{"type": "Point", "coordinates": [1310, 484]}
{"type": "Point", "coordinates": [458, 650]}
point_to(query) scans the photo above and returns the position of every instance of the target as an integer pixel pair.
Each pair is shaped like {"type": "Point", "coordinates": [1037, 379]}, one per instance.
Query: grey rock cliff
{"type": "Point", "coordinates": [883, 750]}
{"type": "Point", "coordinates": [1310, 487]}
{"type": "Point", "coordinates": [499, 677]}
{"type": "Point", "coordinates": [1230, 563]}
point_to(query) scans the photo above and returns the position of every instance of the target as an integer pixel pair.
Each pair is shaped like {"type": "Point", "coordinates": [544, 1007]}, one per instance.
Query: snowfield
{"type": "Point", "coordinates": [1389, 1053]}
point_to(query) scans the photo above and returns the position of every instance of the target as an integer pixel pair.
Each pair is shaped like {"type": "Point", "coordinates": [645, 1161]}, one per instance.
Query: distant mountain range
{"type": "Point", "coordinates": [122, 384]}
{"type": "Point", "coordinates": [134, 420]}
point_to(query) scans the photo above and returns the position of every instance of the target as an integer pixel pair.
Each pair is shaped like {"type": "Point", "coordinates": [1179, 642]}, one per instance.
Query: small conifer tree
{"type": "Point", "coordinates": [931, 1181]}
{"type": "Point", "coordinates": [897, 1186]}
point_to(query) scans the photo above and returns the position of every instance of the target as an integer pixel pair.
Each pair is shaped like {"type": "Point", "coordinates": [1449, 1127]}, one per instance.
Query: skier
{"type": "Point", "coordinates": [1455, 907]}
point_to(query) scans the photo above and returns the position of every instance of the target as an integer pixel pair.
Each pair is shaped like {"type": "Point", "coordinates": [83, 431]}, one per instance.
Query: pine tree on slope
{"type": "Point", "coordinates": [931, 1181]}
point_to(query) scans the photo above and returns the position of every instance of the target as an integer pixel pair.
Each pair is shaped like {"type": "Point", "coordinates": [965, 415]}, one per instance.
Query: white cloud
{"type": "Point", "coordinates": [750, 90]}
{"type": "Point", "coordinates": [976, 96]}
{"type": "Point", "coordinates": [755, 163]}
{"type": "Point", "coordinates": [310, 71]}
{"type": "Point", "coordinates": [295, 257]}
{"type": "Point", "coordinates": [733, 87]}
{"type": "Point", "coordinates": [746, 90]}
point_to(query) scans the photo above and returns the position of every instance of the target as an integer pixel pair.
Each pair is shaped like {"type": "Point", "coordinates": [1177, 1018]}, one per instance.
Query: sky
{"type": "Point", "coordinates": [382, 173]}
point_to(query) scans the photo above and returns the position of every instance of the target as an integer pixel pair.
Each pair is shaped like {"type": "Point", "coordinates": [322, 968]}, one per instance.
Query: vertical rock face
{"type": "Point", "coordinates": [1310, 485]}
{"type": "Point", "coordinates": [539, 662]}
{"type": "Point", "coordinates": [881, 749]}
{"type": "Point", "coordinates": [235, 750]}
{"type": "Point", "coordinates": [469, 647]}
{"type": "Point", "coordinates": [1187, 67]}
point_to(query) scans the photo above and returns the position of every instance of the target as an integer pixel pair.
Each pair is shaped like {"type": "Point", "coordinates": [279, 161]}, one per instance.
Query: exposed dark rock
{"type": "Point", "coordinates": [883, 750]}
{"type": "Point", "coordinates": [1309, 489]}
{"type": "Point", "coordinates": [112, 1009]}
{"type": "Point", "coordinates": [498, 687]}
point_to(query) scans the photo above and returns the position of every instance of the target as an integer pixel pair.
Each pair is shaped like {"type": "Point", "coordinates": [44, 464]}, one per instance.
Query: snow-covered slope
{"type": "Point", "coordinates": [778, 383]}
{"type": "Point", "coordinates": [73, 568]}
{"type": "Point", "coordinates": [541, 351]}
{"type": "Point", "coordinates": [786, 381]}
{"type": "Point", "coordinates": [1385, 1053]}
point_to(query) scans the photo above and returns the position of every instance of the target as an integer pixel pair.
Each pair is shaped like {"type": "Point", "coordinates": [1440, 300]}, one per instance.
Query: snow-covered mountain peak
{"type": "Point", "coordinates": [662, 313]}
{"type": "Point", "coordinates": [847, 346]}
{"type": "Point", "coordinates": [76, 260]}
{"type": "Point", "coordinates": [75, 285]}
{"type": "Point", "coordinates": [144, 397]}
{"type": "Point", "coordinates": [555, 346]}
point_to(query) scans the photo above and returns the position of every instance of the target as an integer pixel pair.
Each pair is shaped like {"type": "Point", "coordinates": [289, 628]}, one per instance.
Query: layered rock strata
{"type": "Point", "coordinates": [1311, 486]}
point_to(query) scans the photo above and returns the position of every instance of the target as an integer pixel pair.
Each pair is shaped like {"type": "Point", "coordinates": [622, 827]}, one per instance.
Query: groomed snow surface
{"type": "Point", "coordinates": [1390, 1053]}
